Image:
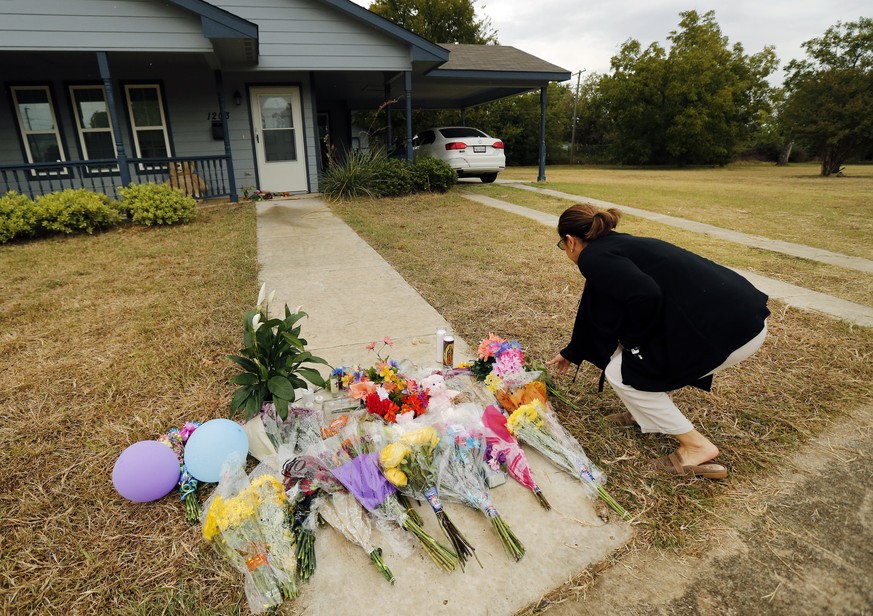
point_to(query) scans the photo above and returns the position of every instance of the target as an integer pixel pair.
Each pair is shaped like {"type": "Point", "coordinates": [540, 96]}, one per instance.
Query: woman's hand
{"type": "Point", "coordinates": [561, 363]}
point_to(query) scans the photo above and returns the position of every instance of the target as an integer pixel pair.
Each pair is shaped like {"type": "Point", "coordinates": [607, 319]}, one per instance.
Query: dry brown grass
{"type": "Point", "coordinates": [850, 285]}
{"type": "Point", "coordinates": [489, 271]}
{"type": "Point", "coordinates": [106, 341]}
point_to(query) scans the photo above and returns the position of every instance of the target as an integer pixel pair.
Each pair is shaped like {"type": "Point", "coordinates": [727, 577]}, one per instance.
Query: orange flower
{"type": "Point", "coordinates": [362, 389]}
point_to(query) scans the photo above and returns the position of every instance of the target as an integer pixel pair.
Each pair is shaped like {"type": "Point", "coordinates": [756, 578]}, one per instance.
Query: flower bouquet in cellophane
{"type": "Point", "coordinates": [505, 452]}
{"type": "Point", "coordinates": [539, 428]}
{"type": "Point", "coordinates": [409, 464]}
{"type": "Point", "coordinates": [248, 524]}
{"type": "Point", "coordinates": [461, 470]}
{"type": "Point", "coordinates": [361, 476]}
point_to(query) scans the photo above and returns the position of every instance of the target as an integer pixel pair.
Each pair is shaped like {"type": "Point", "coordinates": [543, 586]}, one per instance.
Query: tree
{"type": "Point", "coordinates": [694, 104]}
{"type": "Point", "coordinates": [829, 105]}
{"type": "Point", "coordinates": [439, 21]}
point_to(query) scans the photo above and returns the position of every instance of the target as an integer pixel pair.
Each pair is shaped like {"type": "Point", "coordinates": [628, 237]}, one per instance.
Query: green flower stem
{"type": "Point", "coordinates": [376, 557]}
{"type": "Point", "coordinates": [514, 548]}
{"type": "Point", "coordinates": [305, 554]}
{"type": "Point", "coordinates": [541, 499]}
{"type": "Point", "coordinates": [441, 555]}
{"type": "Point", "coordinates": [192, 508]}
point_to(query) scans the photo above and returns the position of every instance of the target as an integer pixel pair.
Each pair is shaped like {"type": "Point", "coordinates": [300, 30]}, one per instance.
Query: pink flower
{"type": "Point", "coordinates": [509, 362]}
{"type": "Point", "coordinates": [362, 389]}
{"type": "Point", "coordinates": [387, 341]}
{"type": "Point", "coordinates": [489, 346]}
{"type": "Point", "coordinates": [371, 346]}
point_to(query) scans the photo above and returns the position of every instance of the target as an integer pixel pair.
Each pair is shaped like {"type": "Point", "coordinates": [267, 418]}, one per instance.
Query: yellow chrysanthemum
{"type": "Point", "coordinates": [272, 489]}
{"type": "Point", "coordinates": [210, 523]}
{"type": "Point", "coordinates": [526, 414]}
{"type": "Point", "coordinates": [493, 383]}
{"type": "Point", "coordinates": [392, 455]}
{"type": "Point", "coordinates": [396, 476]}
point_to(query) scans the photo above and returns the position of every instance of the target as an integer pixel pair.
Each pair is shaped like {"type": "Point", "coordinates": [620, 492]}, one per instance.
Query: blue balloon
{"type": "Point", "coordinates": [210, 445]}
{"type": "Point", "coordinates": [146, 471]}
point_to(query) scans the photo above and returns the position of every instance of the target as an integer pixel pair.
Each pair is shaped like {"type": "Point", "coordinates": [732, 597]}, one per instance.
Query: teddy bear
{"type": "Point", "coordinates": [440, 396]}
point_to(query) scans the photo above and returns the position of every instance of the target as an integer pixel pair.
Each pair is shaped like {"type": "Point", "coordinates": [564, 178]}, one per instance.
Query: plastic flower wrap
{"type": "Point", "coordinates": [175, 439]}
{"type": "Point", "coordinates": [342, 511]}
{"type": "Point", "coordinates": [504, 450]}
{"type": "Point", "coordinates": [275, 513]}
{"type": "Point", "coordinates": [232, 524]}
{"type": "Point", "coordinates": [410, 465]}
{"type": "Point", "coordinates": [361, 476]}
{"type": "Point", "coordinates": [533, 424]}
{"type": "Point", "coordinates": [461, 472]}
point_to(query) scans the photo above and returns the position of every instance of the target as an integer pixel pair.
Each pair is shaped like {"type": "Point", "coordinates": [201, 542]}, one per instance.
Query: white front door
{"type": "Point", "coordinates": [278, 123]}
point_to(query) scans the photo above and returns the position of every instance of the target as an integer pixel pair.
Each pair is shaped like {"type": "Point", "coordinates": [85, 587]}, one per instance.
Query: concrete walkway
{"type": "Point", "coordinates": [354, 297]}
{"type": "Point", "coordinates": [790, 294]}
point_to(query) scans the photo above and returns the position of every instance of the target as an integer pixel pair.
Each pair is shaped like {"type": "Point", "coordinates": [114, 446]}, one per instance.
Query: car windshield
{"type": "Point", "coordinates": [461, 131]}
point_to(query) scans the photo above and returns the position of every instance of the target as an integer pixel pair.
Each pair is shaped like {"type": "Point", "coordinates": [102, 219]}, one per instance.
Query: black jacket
{"type": "Point", "coordinates": [677, 315]}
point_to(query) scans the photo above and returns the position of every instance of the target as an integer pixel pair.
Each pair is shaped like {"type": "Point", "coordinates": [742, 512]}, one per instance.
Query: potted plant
{"type": "Point", "coordinates": [274, 364]}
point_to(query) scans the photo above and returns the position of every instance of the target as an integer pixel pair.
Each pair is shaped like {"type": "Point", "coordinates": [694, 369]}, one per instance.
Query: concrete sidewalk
{"type": "Point", "coordinates": [790, 294]}
{"type": "Point", "coordinates": [354, 297]}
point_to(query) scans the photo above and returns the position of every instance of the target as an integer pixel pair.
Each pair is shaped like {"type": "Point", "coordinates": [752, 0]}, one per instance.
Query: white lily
{"type": "Point", "coordinates": [262, 294]}
{"type": "Point", "coordinates": [256, 321]}
{"type": "Point", "coordinates": [272, 296]}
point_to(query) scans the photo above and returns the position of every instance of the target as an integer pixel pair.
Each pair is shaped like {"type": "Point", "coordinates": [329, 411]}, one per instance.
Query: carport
{"type": "Point", "coordinates": [445, 76]}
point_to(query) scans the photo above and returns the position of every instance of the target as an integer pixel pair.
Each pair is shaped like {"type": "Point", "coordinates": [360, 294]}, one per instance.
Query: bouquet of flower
{"type": "Point", "coordinates": [513, 379]}
{"type": "Point", "coordinates": [361, 476]}
{"type": "Point", "coordinates": [461, 478]}
{"type": "Point", "coordinates": [384, 389]}
{"type": "Point", "coordinates": [232, 524]}
{"type": "Point", "coordinates": [409, 464]}
{"type": "Point", "coordinates": [275, 513]}
{"type": "Point", "coordinates": [175, 439]}
{"type": "Point", "coordinates": [504, 451]}
{"type": "Point", "coordinates": [542, 431]}
{"type": "Point", "coordinates": [346, 515]}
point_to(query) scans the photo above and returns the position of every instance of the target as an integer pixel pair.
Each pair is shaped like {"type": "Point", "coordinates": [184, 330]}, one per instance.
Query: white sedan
{"type": "Point", "coordinates": [469, 151]}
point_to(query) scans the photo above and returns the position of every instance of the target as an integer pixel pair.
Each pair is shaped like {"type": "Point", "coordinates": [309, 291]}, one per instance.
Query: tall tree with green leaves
{"type": "Point", "coordinates": [439, 21]}
{"type": "Point", "coordinates": [829, 105]}
{"type": "Point", "coordinates": [694, 104]}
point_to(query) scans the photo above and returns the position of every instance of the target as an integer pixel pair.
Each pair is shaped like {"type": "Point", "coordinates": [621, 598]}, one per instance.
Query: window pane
{"type": "Point", "coordinates": [279, 145]}
{"type": "Point", "coordinates": [99, 145]}
{"type": "Point", "coordinates": [145, 106]}
{"type": "Point", "coordinates": [276, 112]}
{"type": "Point", "coordinates": [35, 110]}
{"type": "Point", "coordinates": [91, 107]}
{"type": "Point", "coordinates": [44, 148]}
{"type": "Point", "coordinates": [463, 131]}
{"type": "Point", "coordinates": [151, 143]}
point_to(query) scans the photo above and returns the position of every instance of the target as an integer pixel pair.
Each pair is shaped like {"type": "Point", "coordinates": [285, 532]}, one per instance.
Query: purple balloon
{"type": "Point", "coordinates": [146, 471]}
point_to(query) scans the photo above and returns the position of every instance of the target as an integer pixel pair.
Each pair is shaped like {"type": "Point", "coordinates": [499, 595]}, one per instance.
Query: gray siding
{"type": "Point", "coordinates": [107, 25]}
{"type": "Point", "coordinates": [304, 35]}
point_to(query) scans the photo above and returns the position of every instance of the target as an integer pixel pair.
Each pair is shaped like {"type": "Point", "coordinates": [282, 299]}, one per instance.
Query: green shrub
{"type": "Point", "coordinates": [431, 174]}
{"type": "Point", "coordinates": [393, 177]}
{"type": "Point", "coordinates": [352, 178]}
{"type": "Point", "coordinates": [75, 210]}
{"type": "Point", "coordinates": [156, 204]}
{"type": "Point", "coordinates": [18, 217]}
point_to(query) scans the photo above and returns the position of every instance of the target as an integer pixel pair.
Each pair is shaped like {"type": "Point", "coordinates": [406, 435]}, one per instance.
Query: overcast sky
{"type": "Point", "coordinates": [584, 34]}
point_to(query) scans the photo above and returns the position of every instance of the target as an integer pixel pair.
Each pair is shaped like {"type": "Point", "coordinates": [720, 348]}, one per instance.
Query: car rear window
{"type": "Point", "coordinates": [461, 131]}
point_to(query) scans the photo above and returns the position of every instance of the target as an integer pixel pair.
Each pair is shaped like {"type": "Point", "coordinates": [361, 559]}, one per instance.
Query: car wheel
{"type": "Point", "coordinates": [488, 178]}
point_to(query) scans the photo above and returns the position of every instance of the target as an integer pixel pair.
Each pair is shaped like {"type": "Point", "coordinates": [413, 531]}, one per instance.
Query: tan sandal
{"type": "Point", "coordinates": [673, 464]}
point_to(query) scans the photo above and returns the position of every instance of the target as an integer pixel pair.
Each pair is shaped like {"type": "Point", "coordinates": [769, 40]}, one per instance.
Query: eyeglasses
{"type": "Point", "coordinates": [562, 244]}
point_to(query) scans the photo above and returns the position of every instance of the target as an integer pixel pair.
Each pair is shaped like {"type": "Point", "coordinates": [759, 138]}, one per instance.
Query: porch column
{"type": "Point", "coordinates": [407, 82]}
{"type": "Point", "coordinates": [463, 116]}
{"type": "Point", "coordinates": [219, 87]}
{"type": "Point", "coordinates": [389, 138]}
{"type": "Point", "coordinates": [541, 177]}
{"type": "Point", "coordinates": [121, 157]}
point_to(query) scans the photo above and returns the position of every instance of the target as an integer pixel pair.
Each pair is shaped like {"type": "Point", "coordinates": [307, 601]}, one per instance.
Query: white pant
{"type": "Point", "coordinates": [654, 411]}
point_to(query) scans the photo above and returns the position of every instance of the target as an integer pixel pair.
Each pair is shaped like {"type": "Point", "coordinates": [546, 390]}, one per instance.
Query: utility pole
{"type": "Point", "coordinates": [575, 106]}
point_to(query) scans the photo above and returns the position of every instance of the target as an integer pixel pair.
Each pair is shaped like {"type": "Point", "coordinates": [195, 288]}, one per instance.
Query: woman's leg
{"type": "Point", "coordinates": [654, 411]}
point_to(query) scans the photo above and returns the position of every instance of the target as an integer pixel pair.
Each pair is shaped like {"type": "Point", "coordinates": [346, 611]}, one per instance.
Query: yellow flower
{"type": "Point", "coordinates": [392, 455]}
{"type": "Point", "coordinates": [395, 476]}
{"type": "Point", "coordinates": [493, 383]}
{"type": "Point", "coordinates": [210, 524]}
{"type": "Point", "coordinates": [273, 489]}
{"type": "Point", "coordinates": [526, 414]}
{"type": "Point", "coordinates": [425, 435]}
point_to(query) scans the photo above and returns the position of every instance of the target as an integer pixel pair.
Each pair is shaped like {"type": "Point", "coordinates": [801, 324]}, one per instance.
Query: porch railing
{"type": "Point", "coordinates": [202, 177]}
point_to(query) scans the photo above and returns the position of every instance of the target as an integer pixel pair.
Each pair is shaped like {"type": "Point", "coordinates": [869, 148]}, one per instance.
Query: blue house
{"type": "Point", "coordinates": [218, 97]}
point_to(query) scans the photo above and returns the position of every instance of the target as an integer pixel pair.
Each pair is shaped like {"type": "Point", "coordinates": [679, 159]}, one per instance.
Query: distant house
{"type": "Point", "coordinates": [216, 97]}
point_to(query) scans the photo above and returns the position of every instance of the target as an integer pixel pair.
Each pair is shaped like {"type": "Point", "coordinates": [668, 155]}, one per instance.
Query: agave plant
{"type": "Point", "coordinates": [274, 361]}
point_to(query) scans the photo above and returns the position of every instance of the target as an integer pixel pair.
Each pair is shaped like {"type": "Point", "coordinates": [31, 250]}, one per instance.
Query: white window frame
{"type": "Point", "coordinates": [56, 131]}
{"type": "Point", "coordinates": [135, 129]}
{"type": "Point", "coordinates": [82, 130]}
